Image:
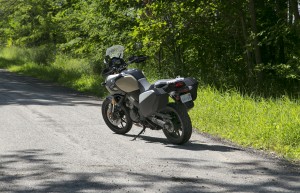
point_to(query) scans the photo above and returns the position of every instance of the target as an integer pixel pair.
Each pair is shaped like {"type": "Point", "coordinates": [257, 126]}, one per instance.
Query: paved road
{"type": "Point", "coordinates": [54, 140]}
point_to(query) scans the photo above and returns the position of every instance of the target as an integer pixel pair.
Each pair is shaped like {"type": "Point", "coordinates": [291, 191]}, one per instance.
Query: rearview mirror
{"type": "Point", "coordinates": [106, 59]}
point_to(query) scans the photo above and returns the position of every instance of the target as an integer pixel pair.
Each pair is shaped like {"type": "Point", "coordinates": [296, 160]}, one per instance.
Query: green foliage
{"type": "Point", "coordinates": [29, 23]}
{"type": "Point", "coordinates": [272, 125]}
{"type": "Point", "coordinates": [17, 55]}
{"type": "Point", "coordinates": [74, 73]}
{"type": "Point", "coordinates": [228, 44]}
{"type": "Point", "coordinates": [42, 55]}
{"type": "Point", "coordinates": [89, 27]}
{"type": "Point", "coordinates": [175, 33]}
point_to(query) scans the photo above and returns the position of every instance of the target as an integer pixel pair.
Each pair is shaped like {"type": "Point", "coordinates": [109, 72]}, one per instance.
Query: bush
{"type": "Point", "coordinates": [42, 55]}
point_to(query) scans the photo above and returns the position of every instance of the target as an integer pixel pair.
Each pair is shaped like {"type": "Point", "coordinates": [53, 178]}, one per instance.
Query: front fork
{"type": "Point", "coordinates": [115, 101]}
{"type": "Point", "coordinates": [113, 112]}
{"type": "Point", "coordinates": [113, 104]}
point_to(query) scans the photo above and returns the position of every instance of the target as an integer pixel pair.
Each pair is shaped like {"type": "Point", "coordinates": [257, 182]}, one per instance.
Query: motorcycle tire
{"type": "Point", "coordinates": [120, 125]}
{"type": "Point", "coordinates": [180, 126]}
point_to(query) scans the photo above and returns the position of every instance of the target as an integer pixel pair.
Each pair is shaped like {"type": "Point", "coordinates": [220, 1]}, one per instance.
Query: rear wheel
{"type": "Point", "coordinates": [179, 127]}
{"type": "Point", "coordinates": [116, 118]}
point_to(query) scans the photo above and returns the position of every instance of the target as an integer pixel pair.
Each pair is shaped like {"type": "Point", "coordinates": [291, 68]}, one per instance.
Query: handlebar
{"type": "Point", "coordinates": [108, 71]}
{"type": "Point", "coordinates": [113, 67]}
{"type": "Point", "coordinates": [137, 59]}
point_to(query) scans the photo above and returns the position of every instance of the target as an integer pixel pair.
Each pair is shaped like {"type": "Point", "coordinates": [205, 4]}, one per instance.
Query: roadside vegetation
{"type": "Point", "coordinates": [270, 124]}
{"type": "Point", "coordinates": [266, 124]}
{"type": "Point", "coordinates": [73, 73]}
{"type": "Point", "coordinates": [244, 53]}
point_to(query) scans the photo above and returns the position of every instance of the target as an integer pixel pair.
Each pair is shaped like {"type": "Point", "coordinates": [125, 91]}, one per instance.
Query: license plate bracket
{"type": "Point", "coordinates": [186, 98]}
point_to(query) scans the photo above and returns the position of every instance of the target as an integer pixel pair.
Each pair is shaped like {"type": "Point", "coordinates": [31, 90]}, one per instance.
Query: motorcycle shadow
{"type": "Point", "coordinates": [192, 145]}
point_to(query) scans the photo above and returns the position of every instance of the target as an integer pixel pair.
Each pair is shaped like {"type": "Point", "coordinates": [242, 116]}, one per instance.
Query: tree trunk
{"type": "Point", "coordinates": [295, 10]}
{"type": "Point", "coordinates": [257, 50]}
{"type": "Point", "coordinates": [248, 53]}
{"type": "Point", "coordinates": [254, 30]}
{"type": "Point", "coordinates": [281, 6]}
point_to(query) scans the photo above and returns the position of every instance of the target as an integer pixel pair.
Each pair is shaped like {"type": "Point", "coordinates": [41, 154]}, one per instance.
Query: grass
{"type": "Point", "coordinates": [267, 124]}
{"type": "Point", "coordinates": [73, 73]}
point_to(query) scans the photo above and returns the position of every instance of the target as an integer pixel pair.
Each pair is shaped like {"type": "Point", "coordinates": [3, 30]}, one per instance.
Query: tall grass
{"type": "Point", "coordinates": [74, 73]}
{"type": "Point", "coordinates": [268, 124]}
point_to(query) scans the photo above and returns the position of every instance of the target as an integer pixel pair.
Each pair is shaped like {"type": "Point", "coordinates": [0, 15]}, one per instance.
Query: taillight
{"type": "Point", "coordinates": [179, 84]}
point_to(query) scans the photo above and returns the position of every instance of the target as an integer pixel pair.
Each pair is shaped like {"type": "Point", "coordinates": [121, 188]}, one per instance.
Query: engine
{"type": "Point", "coordinates": [133, 110]}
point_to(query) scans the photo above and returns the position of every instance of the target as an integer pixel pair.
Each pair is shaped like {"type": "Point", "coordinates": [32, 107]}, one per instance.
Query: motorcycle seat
{"type": "Point", "coordinates": [144, 85]}
{"type": "Point", "coordinates": [161, 83]}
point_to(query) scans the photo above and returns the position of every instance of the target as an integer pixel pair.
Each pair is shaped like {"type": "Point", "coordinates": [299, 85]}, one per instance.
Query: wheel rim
{"type": "Point", "coordinates": [117, 118]}
{"type": "Point", "coordinates": [174, 125]}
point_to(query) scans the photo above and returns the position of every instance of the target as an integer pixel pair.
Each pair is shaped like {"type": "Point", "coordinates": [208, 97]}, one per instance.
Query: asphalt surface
{"type": "Point", "coordinates": [53, 139]}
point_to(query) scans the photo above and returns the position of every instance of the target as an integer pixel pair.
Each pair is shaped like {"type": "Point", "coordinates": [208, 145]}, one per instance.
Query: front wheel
{"type": "Point", "coordinates": [116, 117]}
{"type": "Point", "coordinates": [179, 126]}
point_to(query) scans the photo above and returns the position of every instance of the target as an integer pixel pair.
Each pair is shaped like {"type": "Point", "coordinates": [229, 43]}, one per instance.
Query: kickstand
{"type": "Point", "coordinates": [143, 130]}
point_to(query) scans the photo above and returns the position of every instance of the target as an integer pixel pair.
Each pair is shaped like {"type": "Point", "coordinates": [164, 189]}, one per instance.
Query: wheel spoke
{"type": "Point", "coordinates": [122, 124]}
{"type": "Point", "coordinates": [123, 120]}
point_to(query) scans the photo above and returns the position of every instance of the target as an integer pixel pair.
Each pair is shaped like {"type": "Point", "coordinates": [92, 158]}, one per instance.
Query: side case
{"type": "Point", "coordinates": [152, 101]}
{"type": "Point", "coordinates": [194, 83]}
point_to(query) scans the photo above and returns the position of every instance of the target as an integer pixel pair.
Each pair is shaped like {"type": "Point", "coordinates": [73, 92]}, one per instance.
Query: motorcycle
{"type": "Point", "coordinates": [162, 106]}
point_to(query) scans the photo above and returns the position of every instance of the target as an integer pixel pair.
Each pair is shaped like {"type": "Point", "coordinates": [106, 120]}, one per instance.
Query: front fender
{"type": "Point", "coordinates": [119, 98]}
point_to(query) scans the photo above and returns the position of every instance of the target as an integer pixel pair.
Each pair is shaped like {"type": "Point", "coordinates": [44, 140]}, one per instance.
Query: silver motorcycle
{"type": "Point", "coordinates": [162, 106]}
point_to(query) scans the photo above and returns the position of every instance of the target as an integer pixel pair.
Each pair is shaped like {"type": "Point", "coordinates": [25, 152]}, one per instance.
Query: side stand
{"type": "Point", "coordinates": [143, 130]}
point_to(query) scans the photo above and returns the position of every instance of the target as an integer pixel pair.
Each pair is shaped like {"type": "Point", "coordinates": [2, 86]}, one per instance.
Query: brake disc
{"type": "Point", "coordinates": [113, 116]}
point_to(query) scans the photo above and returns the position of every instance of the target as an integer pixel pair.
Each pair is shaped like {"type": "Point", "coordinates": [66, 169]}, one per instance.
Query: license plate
{"type": "Point", "coordinates": [186, 97]}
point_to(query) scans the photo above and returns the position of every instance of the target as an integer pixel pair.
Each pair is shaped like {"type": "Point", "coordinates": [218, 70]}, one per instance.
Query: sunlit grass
{"type": "Point", "coordinates": [74, 73]}
{"type": "Point", "coordinates": [268, 124]}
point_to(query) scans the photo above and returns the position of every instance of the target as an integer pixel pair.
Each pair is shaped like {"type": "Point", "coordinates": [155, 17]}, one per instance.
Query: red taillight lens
{"type": "Point", "coordinates": [179, 84]}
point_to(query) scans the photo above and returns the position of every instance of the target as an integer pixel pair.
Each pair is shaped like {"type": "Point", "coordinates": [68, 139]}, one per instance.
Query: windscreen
{"type": "Point", "coordinates": [115, 51]}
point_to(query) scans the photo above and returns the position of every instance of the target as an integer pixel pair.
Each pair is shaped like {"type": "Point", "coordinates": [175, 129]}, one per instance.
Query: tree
{"type": "Point", "coordinates": [248, 44]}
